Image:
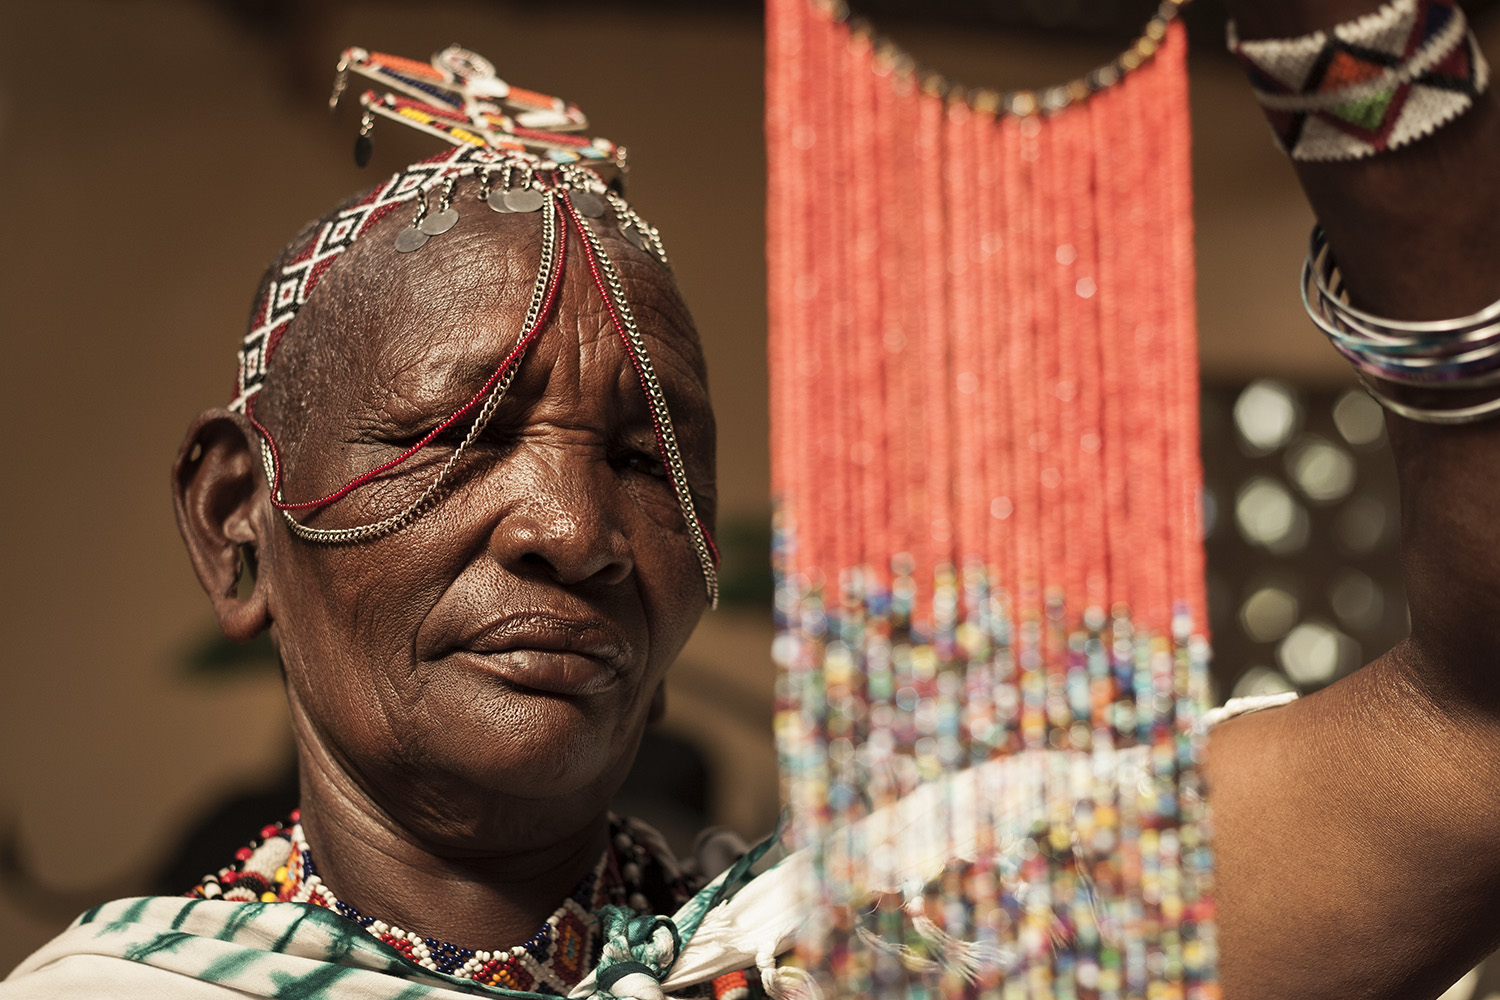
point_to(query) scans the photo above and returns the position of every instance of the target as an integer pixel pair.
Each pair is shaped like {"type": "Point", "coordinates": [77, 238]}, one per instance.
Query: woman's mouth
{"type": "Point", "coordinates": [557, 656]}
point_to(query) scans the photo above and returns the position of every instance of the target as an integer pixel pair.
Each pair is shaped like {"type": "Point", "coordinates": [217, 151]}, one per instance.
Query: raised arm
{"type": "Point", "coordinates": [1358, 830]}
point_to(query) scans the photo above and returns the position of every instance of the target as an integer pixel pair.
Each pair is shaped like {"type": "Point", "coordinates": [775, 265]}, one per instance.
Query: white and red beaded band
{"type": "Point", "coordinates": [1367, 86]}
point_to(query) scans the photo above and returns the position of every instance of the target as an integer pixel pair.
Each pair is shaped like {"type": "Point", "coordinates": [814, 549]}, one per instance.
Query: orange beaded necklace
{"type": "Point", "coordinates": [989, 568]}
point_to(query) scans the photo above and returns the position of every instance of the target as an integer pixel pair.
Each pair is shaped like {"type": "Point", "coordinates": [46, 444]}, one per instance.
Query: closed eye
{"type": "Point", "coordinates": [641, 462]}
{"type": "Point", "coordinates": [495, 434]}
{"type": "Point", "coordinates": [647, 463]}
{"type": "Point", "coordinates": [403, 439]}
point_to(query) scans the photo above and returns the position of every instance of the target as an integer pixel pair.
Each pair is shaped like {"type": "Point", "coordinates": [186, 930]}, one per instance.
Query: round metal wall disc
{"type": "Point", "coordinates": [497, 200]}
{"type": "Point", "coordinates": [524, 200]}
{"type": "Point", "coordinates": [588, 203]}
{"type": "Point", "coordinates": [411, 238]}
{"type": "Point", "coordinates": [439, 222]}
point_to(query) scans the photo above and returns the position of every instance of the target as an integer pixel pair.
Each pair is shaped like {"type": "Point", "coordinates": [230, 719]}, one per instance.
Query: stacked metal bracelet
{"type": "Point", "coordinates": [1450, 355]}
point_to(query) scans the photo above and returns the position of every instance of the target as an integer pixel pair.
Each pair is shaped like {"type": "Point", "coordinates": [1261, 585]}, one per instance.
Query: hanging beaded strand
{"type": "Point", "coordinates": [996, 614]}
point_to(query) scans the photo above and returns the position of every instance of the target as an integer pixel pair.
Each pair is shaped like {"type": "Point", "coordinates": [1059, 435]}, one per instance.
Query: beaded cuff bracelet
{"type": "Point", "coordinates": [1373, 84]}
{"type": "Point", "coordinates": [1456, 354]}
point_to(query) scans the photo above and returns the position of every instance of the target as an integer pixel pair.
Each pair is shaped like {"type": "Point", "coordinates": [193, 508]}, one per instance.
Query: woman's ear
{"type": "Point", "coordinates": [218, 493]}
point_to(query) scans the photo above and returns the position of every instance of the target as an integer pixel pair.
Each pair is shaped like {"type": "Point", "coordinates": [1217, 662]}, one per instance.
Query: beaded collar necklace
{"type": "Point", "coordinates": [557, 956]}
{"type": "Point", "coordinates": [278, 867]}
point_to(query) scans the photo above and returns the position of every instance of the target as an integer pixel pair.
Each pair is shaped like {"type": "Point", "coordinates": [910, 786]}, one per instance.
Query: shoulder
{"type": "Point", "coordinates": [1236, 707]}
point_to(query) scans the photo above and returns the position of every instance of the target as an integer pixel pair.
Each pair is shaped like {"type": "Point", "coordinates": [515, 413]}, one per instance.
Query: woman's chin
{"type": "Point", "coordinates": [534, 748]}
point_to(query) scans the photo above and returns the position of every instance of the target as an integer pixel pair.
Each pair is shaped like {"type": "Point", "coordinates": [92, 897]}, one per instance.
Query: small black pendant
{"type": "Point", "coordinates": [363, 147]}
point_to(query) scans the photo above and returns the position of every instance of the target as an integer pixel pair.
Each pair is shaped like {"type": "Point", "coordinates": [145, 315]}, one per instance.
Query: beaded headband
{"type": "Point", "coordinates": [520, 169]}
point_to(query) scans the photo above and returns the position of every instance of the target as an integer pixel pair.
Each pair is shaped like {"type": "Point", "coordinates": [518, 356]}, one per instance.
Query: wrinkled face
{"type": "Point", "coordinates": [502, 651]}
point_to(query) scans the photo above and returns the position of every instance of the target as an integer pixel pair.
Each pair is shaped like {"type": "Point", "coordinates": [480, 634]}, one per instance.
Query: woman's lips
{"type": "Point", "coordinates": [551, 655]}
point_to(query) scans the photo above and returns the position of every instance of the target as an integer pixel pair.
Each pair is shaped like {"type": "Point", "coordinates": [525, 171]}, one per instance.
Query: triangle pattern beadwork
{"type": "Point", "coordinates": [1373, 84]}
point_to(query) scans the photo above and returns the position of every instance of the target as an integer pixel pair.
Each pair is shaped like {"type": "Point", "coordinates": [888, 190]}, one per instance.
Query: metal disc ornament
{"type": "Point", "coordinates": [363, 147]}
{"type": "Point", "coordinates": [524, 200]}
{"type": "Point", "coordinates": [496, 201]}
{"type": "Point", "coordinates": [635, 236]}
{"type": "Point", "coordinates": [411, 238]}
{"type": "Point", "coordinates": [588, 203]}
{"type": "Point", "coordinates": [439, 222]}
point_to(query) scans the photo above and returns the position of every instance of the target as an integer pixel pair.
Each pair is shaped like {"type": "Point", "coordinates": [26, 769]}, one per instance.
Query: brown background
{"type": "Point", "coordinates": [155, 155]}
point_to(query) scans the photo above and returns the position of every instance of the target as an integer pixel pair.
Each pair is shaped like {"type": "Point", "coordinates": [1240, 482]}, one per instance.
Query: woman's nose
{"type": "Point", "coordinates": [562, 519]}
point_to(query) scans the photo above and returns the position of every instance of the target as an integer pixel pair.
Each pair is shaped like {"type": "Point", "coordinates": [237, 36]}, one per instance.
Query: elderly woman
{"type": "Point", "coordinates": [524, 397]}
{"type": "Point", "coordinates": [466, 693]}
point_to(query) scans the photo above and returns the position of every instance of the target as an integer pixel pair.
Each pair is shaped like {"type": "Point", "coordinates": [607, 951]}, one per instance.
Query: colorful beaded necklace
{"type": "Point", "coordinates": [278, 867]}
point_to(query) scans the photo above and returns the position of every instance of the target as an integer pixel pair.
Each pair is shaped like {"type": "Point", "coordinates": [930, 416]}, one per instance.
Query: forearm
{"type": "Point", "coordinates": [1416, 233]}
{"type": "Point", "coordinates": [1379, 798]}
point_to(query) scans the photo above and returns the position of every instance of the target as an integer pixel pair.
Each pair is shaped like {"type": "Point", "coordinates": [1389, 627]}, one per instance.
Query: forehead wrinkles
{"type": "Point", "coordinates": [452, 286]}
{"type": "Point", "coordinates": [462, 312]}
{"type": "Point", "coordinates": [406, 326]}
{"type": "Point", "coordinates": [452, 318]}
{"type": "Point", "coordinates": [376, 313]}
{"type": "Point", "coordinates": [659, 310]}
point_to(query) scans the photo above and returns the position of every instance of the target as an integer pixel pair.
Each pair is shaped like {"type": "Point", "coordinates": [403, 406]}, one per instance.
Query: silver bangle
{"type": "Point", "coordinates": [1428, 414]}
{"type": "Point", "coordinates": [1446, 355]}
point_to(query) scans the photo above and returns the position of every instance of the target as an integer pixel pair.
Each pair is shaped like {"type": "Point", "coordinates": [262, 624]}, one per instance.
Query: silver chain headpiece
{"type": "Point", "coordinates": [551, 173]}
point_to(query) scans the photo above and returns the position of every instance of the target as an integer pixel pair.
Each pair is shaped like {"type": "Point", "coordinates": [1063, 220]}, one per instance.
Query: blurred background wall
{"type": "Point", "coordinates": [155, 154]}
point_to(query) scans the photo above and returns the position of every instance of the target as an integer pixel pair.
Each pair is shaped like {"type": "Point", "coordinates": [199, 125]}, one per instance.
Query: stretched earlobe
{"type": "Point", "coordinates": [218, 493]}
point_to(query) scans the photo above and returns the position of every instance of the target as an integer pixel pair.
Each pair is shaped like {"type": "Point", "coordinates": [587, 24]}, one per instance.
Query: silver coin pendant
{"type": "Point", "coordinates": [588, 204]}
{"type": "Point", "coordinates": [439, 222]}
{"type": "Point", "coordinates": [409, 239]}
{"type": "Point", "coordinates": [524, 200]}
